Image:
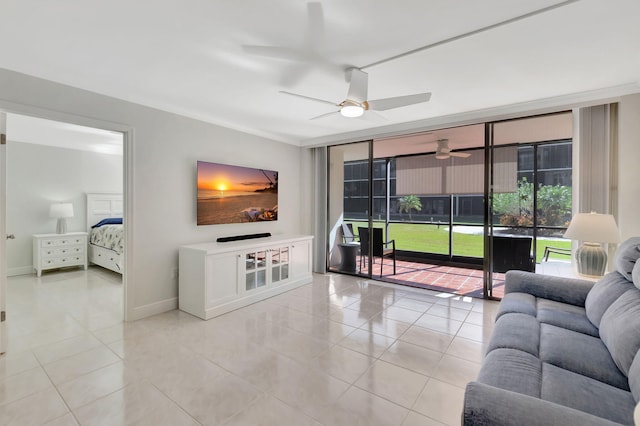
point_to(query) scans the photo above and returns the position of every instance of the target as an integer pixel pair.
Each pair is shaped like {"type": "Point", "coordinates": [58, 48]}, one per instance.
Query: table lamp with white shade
{"type": "Point", "coordinates": [592, 229]}
{"type": "Point", "coordinates": [61, 211]}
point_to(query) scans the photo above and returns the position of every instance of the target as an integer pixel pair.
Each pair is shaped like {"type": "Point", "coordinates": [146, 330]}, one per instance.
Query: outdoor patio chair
{"type": "Point", "coordinates": [347, 233]}
{"type": "Point", "coordinates": [512, 253]}
{"type": "Point", "coordinates": [380, 248]}
{"type": "Point", "coordinates": [557, 250]}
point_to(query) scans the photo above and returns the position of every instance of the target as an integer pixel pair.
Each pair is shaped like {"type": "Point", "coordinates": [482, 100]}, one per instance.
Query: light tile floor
{"type": "Point", "coordinates": [339, 351]}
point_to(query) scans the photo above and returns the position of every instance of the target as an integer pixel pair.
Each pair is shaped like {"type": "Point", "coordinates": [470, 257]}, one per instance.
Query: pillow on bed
{"type": "Point", "coordinates": [108, 221]}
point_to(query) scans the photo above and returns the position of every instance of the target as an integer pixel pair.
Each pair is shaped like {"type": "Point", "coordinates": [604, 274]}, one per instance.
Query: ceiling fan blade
{"type": "Point", "coordinates": [276, 52]}
{"type": "Point", "coordinates": [325, 115]}
{"type": "Point", "coordinates": [294, 73]}
{"type": "Point", "coordinates": [373, 117]}
{"type": "Point", "coordinates": [460, 154]}
{"type": "Point", "coordinates": [358, 85]}
{"type": "Point", "coordinates": [398, 101]}
{"type": "Point", "coordinates": [315, 19]}
{"type": "Point", "coordinates": [309, 98]}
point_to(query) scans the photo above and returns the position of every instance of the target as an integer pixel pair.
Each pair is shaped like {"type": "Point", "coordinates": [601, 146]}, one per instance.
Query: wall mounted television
{"type": "Point", "coordinates": [234, 194]}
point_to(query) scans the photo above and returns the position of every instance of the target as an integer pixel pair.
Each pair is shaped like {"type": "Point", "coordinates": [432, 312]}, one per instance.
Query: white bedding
{"type": "Point", "coordinates": [109, 237]}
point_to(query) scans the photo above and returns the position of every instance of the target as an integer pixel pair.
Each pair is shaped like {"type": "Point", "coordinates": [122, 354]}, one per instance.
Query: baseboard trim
{"type": "Point", "coordinates": [154, 309]}
{"type": "Point", "coordinates": [22, 270]}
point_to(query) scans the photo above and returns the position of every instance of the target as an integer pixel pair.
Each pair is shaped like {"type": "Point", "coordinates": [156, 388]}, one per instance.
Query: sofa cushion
{"type": "Point", "coordinates": [486, 405]}
{"type": "Point", "coordinates": [564, 315]}
{"type": "Point", "coordinates": [603, 294]}
{"type": "Point", "coordinates": [580, 353]}
{"type": "Point", "coordinates": [634, 377]}
{"type": "Point", "coordinates": [517, 303]}
{"type": "Point", "coordinates": [516, 331]}
{"type": "Point", "coordinates": [626, 255]}
{"type": "Point", "coordinates": [635, 275]}
{"type": "Point", "coordinates": [586, 394]}
{"type": "Point", "coordinates": [619, 329]}
{"type": "Point", "coordinates": [512, 370]}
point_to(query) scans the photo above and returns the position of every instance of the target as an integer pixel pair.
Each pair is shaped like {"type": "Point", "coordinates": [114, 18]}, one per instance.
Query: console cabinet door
{"type": "Point", "coordinates": [222, 278]}
{"type": "Point", "coordinates": [256, 270]}
{"type": "Point", "coordinates": [300, 258]}
{"type": "Point", "coordinates": [280, 271]}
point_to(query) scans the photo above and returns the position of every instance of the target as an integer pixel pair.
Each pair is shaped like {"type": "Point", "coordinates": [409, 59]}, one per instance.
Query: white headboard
{"type": "Point", "coordinates": [101, 206]}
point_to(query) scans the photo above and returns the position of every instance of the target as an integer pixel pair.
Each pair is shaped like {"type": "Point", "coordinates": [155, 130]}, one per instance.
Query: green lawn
{"type": "Point", "coordinates": [429, 238]}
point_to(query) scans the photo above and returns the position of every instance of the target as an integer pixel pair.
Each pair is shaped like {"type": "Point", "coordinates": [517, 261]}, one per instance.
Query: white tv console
{"type": "Point", "coordinates": [216, 278]}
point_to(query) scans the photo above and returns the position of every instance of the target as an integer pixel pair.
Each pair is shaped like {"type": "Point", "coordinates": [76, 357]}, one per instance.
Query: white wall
{"type": "Point", "coordinates": [629, 166]}
{"type": "Point", "coordinates": [165, 150]}
{"type": "Point", "coordinates": [38, 176]}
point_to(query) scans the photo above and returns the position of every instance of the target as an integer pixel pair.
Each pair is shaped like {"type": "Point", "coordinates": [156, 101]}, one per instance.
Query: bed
{"type": "Point", "coordinates": [106, 235]}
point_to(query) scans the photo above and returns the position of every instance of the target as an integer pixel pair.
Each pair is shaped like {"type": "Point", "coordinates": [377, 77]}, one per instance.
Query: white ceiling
{"type": "Point", "coordinates": [38, 131]}
{"type": "Point", "coordinates": [187, 57]}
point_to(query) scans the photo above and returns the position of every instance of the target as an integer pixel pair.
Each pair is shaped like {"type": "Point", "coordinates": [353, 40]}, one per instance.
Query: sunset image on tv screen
{"type": "Point", "coordinates": [233, 194]}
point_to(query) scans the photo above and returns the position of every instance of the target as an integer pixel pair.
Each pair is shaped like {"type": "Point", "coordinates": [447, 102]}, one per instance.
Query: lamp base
{"type": "Point", "coordinates": [592, 259]}
{"type": "Point", "coordinates": [61, 227]}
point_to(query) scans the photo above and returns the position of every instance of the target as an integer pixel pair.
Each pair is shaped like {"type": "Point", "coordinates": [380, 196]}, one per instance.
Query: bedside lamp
{"type": "Point", "coordinates": [592, 229]}
{"type": "Point", "coordinates": [61, 211]}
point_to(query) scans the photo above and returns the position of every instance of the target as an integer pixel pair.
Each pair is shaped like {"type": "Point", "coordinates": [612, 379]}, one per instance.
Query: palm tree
{"type": "Point", "coordinates": [408, 203]}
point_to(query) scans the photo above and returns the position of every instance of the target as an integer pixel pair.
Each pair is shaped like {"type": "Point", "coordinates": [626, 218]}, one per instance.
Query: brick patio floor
{"type": "Point", "coordinates": [448, 279]}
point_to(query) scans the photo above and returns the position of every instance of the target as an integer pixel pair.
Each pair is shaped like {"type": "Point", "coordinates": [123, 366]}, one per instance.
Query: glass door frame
{"type": "Point", "coordinates": [489, 153]}
{"type": "Point", "coordinates": [488, 225]}
{"type": "Point", "coordinates": [370, 203]}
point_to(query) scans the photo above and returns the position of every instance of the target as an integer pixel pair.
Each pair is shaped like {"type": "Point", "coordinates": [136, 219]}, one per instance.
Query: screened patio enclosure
{"type": "Point", "coordinates": [438, 206]}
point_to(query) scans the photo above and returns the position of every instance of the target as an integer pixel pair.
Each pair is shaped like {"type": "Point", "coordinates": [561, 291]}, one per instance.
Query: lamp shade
{"type": "Point", "coordinates": [60, 210]}
{"type": "Point", "coordinates": [593, 227]}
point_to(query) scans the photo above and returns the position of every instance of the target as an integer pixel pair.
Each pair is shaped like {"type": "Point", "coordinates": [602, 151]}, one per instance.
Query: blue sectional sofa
{"type": "Point", "coordinates": [563, 351]}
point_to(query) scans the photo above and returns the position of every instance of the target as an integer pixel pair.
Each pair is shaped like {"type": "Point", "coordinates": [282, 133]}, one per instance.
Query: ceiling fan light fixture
{"type": "Point", "coordinates": [351, 110]}
{"type": "Point", "coordinates": [442, 155]}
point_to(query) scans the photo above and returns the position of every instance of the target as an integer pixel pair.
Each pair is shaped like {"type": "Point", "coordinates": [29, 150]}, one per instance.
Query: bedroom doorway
{"type": "Point", "coordinates": [46, 162]}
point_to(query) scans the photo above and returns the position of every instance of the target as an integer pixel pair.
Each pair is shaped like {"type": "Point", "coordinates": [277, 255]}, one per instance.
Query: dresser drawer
{"type": "Point", "coordinates": [58, 262]}
{"type": "Point", "coordinates": [58, 242]}
{"type": "Point", "coordinates": [62, 251]}
{"type": "Point", "coordinates": [71, 260]}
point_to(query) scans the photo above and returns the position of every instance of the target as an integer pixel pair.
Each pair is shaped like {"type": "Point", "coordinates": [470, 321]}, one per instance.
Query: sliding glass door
{"type": "Point", "coordinates": [471, 202]}
{"type": "Point", "coordinates": [351, 199]}
{"type": "Point", "coordinates": [529, 193]}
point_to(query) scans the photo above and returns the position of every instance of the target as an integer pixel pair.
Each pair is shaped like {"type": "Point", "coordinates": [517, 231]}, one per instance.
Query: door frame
{"type": "Point", "coordinates": [3, 230]}
{"type": "Point", "coordinates": [128, 135]}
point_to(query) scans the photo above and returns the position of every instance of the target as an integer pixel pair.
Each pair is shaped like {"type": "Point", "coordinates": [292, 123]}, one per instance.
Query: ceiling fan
{"type": "Point", "coordinates": [357, 103]}
{"type": "Point", "coordinates": [443, 151]}
{"type": "Point", "coordinates": [305, 58]}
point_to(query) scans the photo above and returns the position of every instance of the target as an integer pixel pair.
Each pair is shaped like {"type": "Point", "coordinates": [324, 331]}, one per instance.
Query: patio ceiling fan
{"type": "Point", "coordinates": [443, 151]}
{"type": "Point", "coordinates": [357, 103]}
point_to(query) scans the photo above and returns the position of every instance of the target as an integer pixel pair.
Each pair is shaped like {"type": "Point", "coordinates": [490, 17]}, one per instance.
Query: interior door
{"type": "Point", "coordinates": [3, 229]}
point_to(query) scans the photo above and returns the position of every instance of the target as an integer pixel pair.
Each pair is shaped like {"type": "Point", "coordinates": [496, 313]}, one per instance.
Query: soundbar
{"type": "Point", "coordinates": [243, 237]}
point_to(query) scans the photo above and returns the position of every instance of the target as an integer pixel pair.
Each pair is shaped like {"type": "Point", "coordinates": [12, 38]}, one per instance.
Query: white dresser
{"type": "Point", "coordinates": [216, 278]}
{"type": "Point", "coordinates": [59, 250]}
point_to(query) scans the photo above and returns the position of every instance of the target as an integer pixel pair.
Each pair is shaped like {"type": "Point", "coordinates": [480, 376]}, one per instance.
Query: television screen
{"type": "Point", "coordinates": [233, 194]}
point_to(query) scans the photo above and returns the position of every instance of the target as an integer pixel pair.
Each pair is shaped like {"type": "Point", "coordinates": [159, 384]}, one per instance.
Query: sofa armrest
{"type": "Point", "coordinates": [488, 405]}
{"type": "Point", "coordinates": [567, 290]}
